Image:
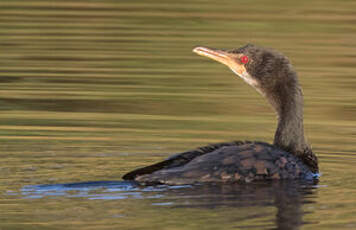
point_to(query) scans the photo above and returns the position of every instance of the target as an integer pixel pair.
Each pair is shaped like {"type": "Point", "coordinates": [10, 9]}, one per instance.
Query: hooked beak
{"type": "Point", "coordinates": [223, 57]}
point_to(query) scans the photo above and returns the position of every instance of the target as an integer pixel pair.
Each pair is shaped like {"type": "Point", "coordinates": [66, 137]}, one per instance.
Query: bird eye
{"type": "Point", "coordinates": [244, 59]}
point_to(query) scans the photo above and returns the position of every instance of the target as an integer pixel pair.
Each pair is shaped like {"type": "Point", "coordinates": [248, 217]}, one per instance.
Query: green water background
{"type": "Point", "coordinates": [92, 89]}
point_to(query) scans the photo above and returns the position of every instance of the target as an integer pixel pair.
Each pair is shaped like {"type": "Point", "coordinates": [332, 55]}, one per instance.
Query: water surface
{"type": "Point", "coordinates": [92, 89]}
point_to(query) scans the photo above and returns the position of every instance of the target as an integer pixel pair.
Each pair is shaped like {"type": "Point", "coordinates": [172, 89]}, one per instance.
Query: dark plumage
{"type": "Point", "coordinates": [290, 156]}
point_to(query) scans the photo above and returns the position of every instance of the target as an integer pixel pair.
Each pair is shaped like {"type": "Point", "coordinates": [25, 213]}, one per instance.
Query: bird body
{"type": "Point", "coordinates": [290, 156]}
{"type": "Point", "coordinates": [224, 162]}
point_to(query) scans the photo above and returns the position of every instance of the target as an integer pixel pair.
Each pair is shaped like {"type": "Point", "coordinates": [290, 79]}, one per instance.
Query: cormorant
{"type": "Point", "coordinates": [289, 157]}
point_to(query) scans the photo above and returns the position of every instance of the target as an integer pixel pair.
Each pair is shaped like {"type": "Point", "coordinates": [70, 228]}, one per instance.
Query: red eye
{"type": "Point", "coordinates": [244, 59]}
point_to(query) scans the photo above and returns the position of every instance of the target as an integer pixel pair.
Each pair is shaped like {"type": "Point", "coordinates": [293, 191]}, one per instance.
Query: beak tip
{"type": "Point", "coordinates": [198, 50]}
{"type": "Point", "coordinates": [195, 49]}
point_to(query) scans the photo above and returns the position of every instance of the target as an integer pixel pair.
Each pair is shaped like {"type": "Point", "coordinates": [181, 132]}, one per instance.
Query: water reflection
{"type": "Point", "coordinates": [108, 190]}
{"type": "Point", "coordinates": [288, 197]}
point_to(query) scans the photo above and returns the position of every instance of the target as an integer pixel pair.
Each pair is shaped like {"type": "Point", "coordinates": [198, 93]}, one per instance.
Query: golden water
{"type": "Point", "coordinates": [92, 89]}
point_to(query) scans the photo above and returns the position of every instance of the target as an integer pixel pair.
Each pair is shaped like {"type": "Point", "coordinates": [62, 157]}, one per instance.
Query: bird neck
{"type": "Point", "coordinates": [287, 100]}
{"type": "Point", "coordinates": [290, 130]}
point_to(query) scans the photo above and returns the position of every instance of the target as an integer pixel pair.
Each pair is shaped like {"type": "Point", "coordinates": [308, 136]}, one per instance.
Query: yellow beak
{"type": "Point", "coordinates": [229, 59]}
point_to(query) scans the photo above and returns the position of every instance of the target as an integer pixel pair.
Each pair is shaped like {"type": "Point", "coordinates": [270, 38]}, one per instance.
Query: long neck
{"type": "Point", "coordinates": [290, 131]}
{"type": "Point", "coordinates": [288, 102]}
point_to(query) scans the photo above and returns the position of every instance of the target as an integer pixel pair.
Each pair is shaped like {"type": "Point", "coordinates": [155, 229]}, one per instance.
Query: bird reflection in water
{"type": "Point", "coordinates": [287, 196]}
